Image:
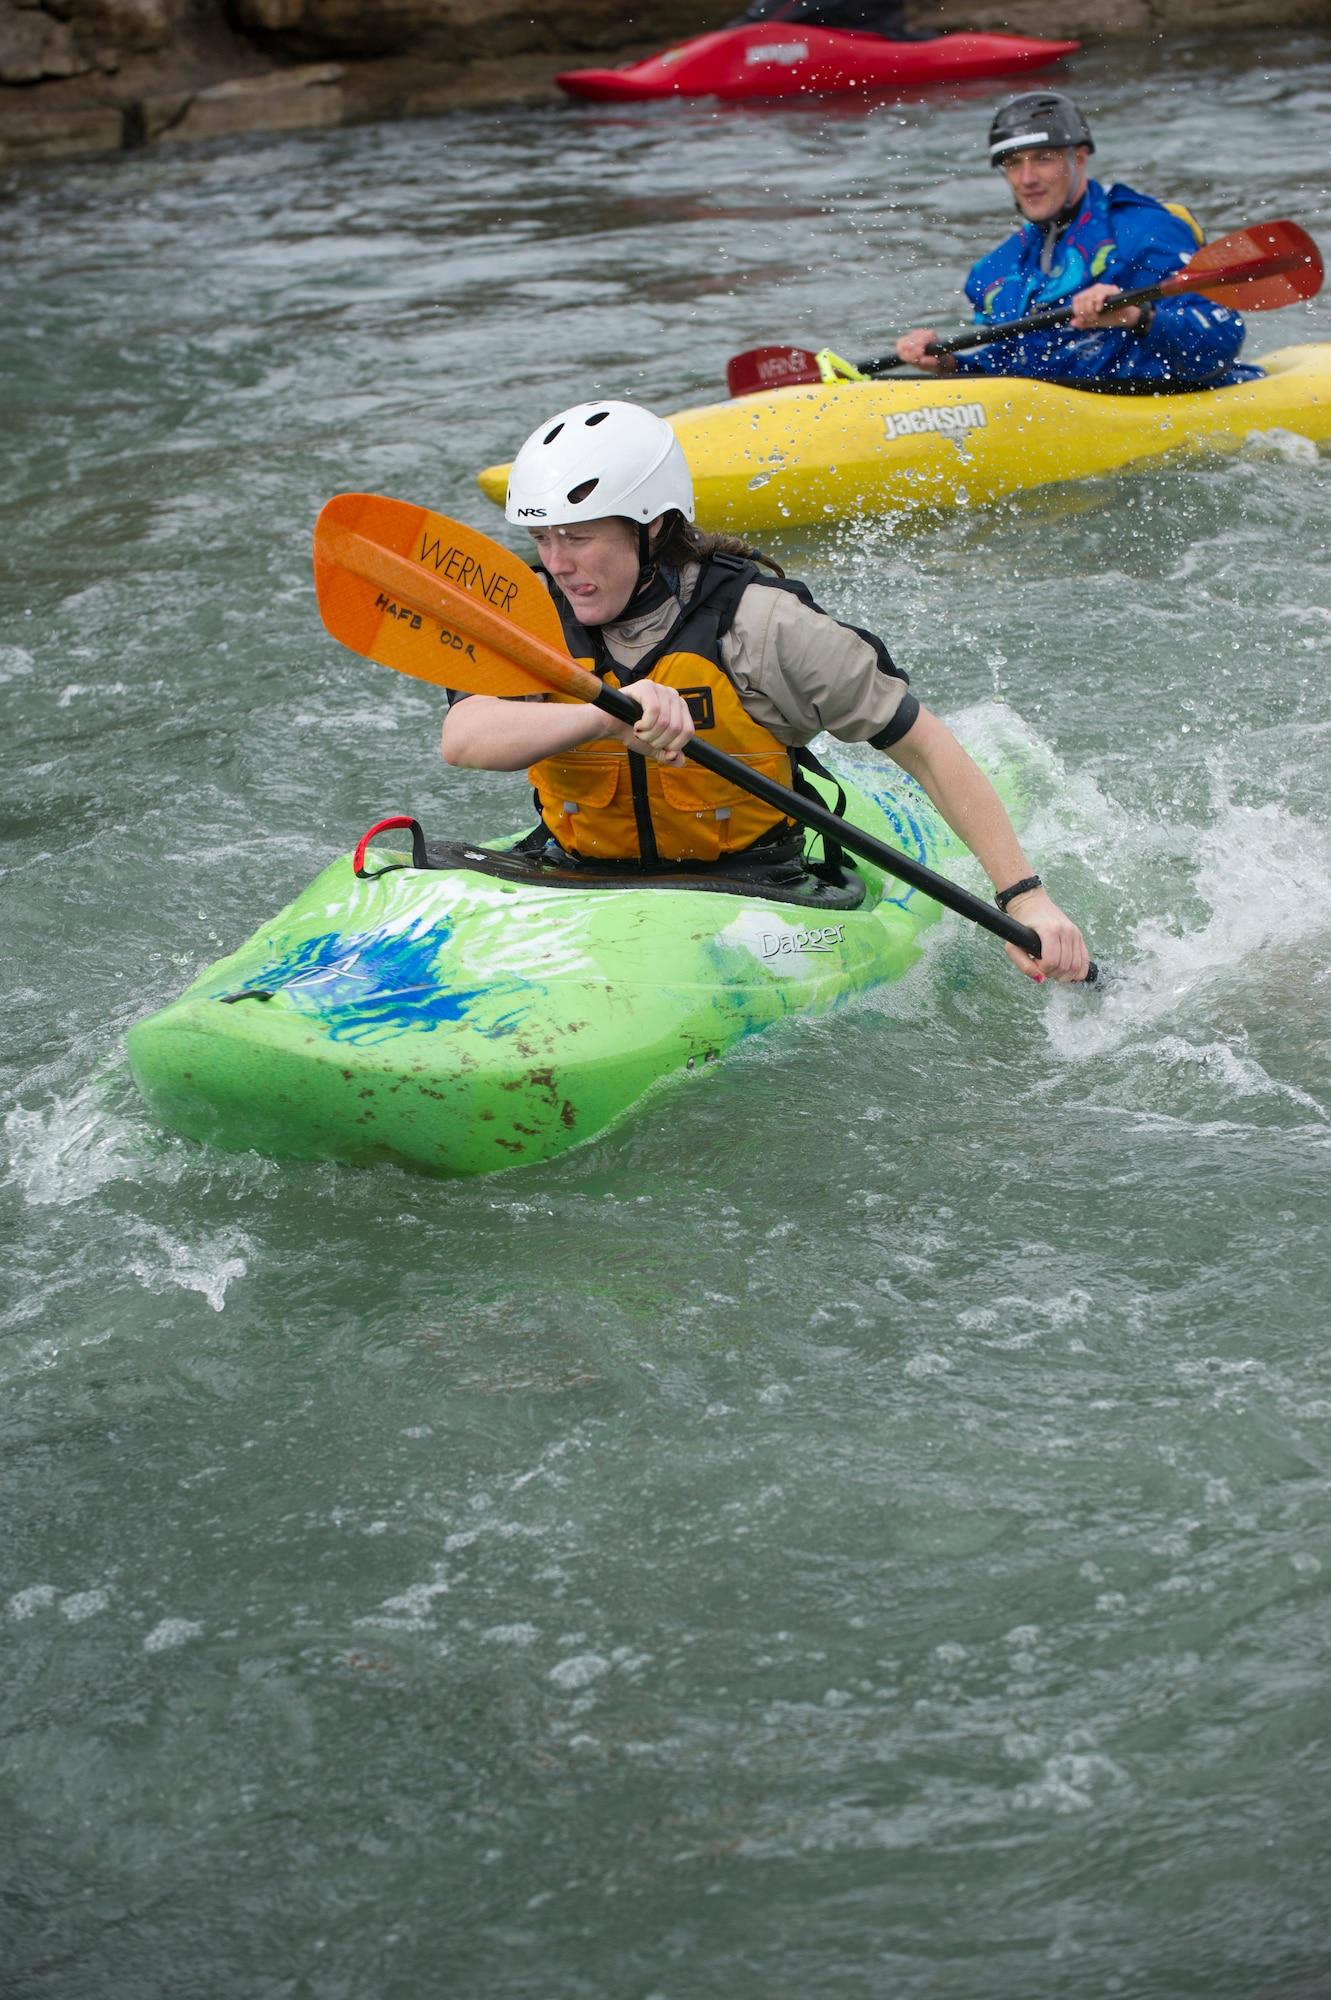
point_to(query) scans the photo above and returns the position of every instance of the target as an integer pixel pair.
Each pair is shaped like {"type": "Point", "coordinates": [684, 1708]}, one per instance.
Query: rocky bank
{"type": "Point", "coordinates": [90, 75]}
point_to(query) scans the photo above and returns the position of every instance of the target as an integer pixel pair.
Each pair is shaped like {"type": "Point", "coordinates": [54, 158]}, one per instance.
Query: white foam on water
{"type": "Point", "coordinates": [171, 1632]}
{"type": "Point", "coordinates": [78, 1141]}
{"type": "Point", "coordinates": [412, 1609]}
{"type": "Point", "coordinates": [1291, 446]}
{"type": "Point", "coordinates": [353, 723]}
{"type": "Point", "coordinates": [512, 1635]}
{"type": "Point", "coordinates": [37, 1597]}
{"type": "Point", "coordinates": [579, 1671]}
{"type": "Point", "coordinates": [1071, 1783]}
{"type": "Point", "coordinates": [921, 1365]}
{"type": "Point", "coordinates": [1238, 1075]}
{"type": "Point", "coordinates": [76, 688]}
{"type": "Point", "coordinates": [15, 664]}
{"type": "Point", "coordinates": [1264, 875]}
{"type": "Point", "coordinates": [84, 1604]}
{"type": "Point", "coordinates": [207, 1265]}
{"type": "Point", "coordinates": [995, 733]}
{"type": "Point", "coordinates": [67, 1151]}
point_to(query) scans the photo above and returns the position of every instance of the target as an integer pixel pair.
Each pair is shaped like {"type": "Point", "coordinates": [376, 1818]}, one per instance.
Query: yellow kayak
{"type": "Point", "coordinates": [791, 458]}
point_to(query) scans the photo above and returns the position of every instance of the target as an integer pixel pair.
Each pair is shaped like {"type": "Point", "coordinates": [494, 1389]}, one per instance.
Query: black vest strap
{"type": "Point", "coordinates": [802, 759]}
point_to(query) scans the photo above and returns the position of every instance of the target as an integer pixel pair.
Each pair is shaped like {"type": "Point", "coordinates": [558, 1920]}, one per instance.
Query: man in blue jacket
{"type": "Point", "coordinates": [1081, 244]}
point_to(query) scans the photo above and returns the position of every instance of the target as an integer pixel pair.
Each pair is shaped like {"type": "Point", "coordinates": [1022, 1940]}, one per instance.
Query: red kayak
{"type": "Point", "coordinates": [781, 59]}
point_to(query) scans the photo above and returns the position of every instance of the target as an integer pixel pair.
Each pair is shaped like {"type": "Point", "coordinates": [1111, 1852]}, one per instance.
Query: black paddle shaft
{"type": "Point", "coordinates": [1009, 329]}
{"type": "Point", "coordinates": [809, 813]}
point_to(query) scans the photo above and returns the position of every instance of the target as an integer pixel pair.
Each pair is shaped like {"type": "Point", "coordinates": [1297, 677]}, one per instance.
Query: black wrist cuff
{"type": "Point", "coordinates": [1005, 896]}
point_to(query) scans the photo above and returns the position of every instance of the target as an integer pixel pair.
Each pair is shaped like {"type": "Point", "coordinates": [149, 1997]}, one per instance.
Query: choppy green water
{"type": "Point", "coordinates": [862, 1528]}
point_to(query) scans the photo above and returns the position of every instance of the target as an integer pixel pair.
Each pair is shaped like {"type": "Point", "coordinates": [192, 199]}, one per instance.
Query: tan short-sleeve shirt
{"type": "Point", "coordinates": [797, 671]}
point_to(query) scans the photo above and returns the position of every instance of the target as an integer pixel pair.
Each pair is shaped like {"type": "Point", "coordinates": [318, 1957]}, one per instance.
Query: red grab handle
{"type": "Point", "coordinates": [419, 858]}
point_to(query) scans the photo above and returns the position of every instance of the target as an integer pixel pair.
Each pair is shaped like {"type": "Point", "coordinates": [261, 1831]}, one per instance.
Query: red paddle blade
{"type": "Point", "coordinates": [1258, 269]}
{"type": "Point", "coordinates": [771, 368]}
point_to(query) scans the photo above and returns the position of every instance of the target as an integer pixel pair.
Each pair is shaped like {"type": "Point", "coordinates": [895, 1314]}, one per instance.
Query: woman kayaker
{"type": "Point", "coordinates": [1081, 243]}
{"type": "Point", "coordinates": [705, 641]}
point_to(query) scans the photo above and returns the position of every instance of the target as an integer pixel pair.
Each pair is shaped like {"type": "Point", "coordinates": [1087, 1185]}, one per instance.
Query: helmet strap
{"type": "Point", "coordinates": [646, 567]}
{"type": "Point", "coordinates": [646, 560]}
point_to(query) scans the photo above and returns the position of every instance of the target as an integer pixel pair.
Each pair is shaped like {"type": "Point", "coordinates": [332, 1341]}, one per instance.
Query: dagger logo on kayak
{"type": "Point", "coordinates": [775, 944]}
{"type": "Point", "coordinates": [464, 570]}
{"type": "Point", "coordinates": [946, 417]}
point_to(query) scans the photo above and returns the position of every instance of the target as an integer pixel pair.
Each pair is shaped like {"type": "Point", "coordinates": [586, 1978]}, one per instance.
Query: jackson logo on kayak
{"type": "Point", "coordinates": [775, 944]}
{"type": "Point", "coordinates": [935, 417]}
{"type": "Point", "coordinates": [460, 568]}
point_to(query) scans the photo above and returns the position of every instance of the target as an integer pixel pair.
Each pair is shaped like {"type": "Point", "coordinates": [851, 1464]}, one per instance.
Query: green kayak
{"type": "Point", "coordinates": [486, 1009]}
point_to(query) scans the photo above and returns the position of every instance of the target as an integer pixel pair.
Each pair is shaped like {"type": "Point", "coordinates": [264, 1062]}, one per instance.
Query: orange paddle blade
{"type": "Point", "coordinates": [427, 596]}
{"type": "Point", "coordinates": [1258, 269]}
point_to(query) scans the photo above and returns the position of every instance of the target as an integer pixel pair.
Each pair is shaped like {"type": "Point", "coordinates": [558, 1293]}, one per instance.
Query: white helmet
{"type": "Point", "coordinates": [599, 459]}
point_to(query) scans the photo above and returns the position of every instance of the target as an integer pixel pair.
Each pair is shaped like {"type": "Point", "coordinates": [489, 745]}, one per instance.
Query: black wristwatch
{"type": "Point", "coordinates": [1005, 896]}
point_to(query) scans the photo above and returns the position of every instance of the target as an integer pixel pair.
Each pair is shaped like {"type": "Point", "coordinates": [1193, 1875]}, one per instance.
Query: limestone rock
{"type": "Point", "coordinates": [1054, 19]}
{"type": "Point", "coordinates": [34, 45]}
{"type": "Point", "coordinates": [131, 25]}
{"type": "Point", "coordinates": [284, 100]}
{"type": "Point", "coordinates": [467, 31]}
{"type": "Point", "coordinates": [1186, 16]}
{"type": "Point", "coordinates": [58, 135]}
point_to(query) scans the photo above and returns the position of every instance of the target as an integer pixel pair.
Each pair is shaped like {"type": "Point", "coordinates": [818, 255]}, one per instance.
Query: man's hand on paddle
{"type": "Point", "coordinates": [1064, 956]}
{"type": "Point", "coordinates": [1093, 309]}
{"type": "Point", "coordinates": [911, 348]}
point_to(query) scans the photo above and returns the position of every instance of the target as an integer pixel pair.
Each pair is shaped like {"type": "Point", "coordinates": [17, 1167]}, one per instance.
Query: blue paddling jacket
{"type": "Point", "coordinates": [1118, 237]}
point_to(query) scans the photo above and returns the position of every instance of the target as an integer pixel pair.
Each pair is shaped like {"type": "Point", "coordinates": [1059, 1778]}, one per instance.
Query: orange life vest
{"type": "Point", "coordinates": [605, 802]}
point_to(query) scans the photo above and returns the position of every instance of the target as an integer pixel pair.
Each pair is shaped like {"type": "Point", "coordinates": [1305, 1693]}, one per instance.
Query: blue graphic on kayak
{"type": "Point", "coordinates": [891, 793]}
{"type": "Point", "coordinates": [368, 986]}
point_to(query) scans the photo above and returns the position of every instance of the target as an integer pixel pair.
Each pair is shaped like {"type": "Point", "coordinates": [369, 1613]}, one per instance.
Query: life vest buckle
{"type": "Point", "coordinates": [700, 706]}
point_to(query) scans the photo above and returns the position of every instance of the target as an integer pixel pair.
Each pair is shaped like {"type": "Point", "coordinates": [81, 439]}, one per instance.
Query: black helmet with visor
{"type": "Point", "coordinates": [1036, 118]}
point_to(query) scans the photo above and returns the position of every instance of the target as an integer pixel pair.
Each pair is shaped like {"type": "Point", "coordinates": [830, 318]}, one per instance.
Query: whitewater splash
{"type": "Point", "coordinates": [1201, 930]}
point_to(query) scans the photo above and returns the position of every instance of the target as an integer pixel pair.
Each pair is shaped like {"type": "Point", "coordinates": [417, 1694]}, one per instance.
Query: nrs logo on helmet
{"type": "Point", "coordinates": [598, 460]}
